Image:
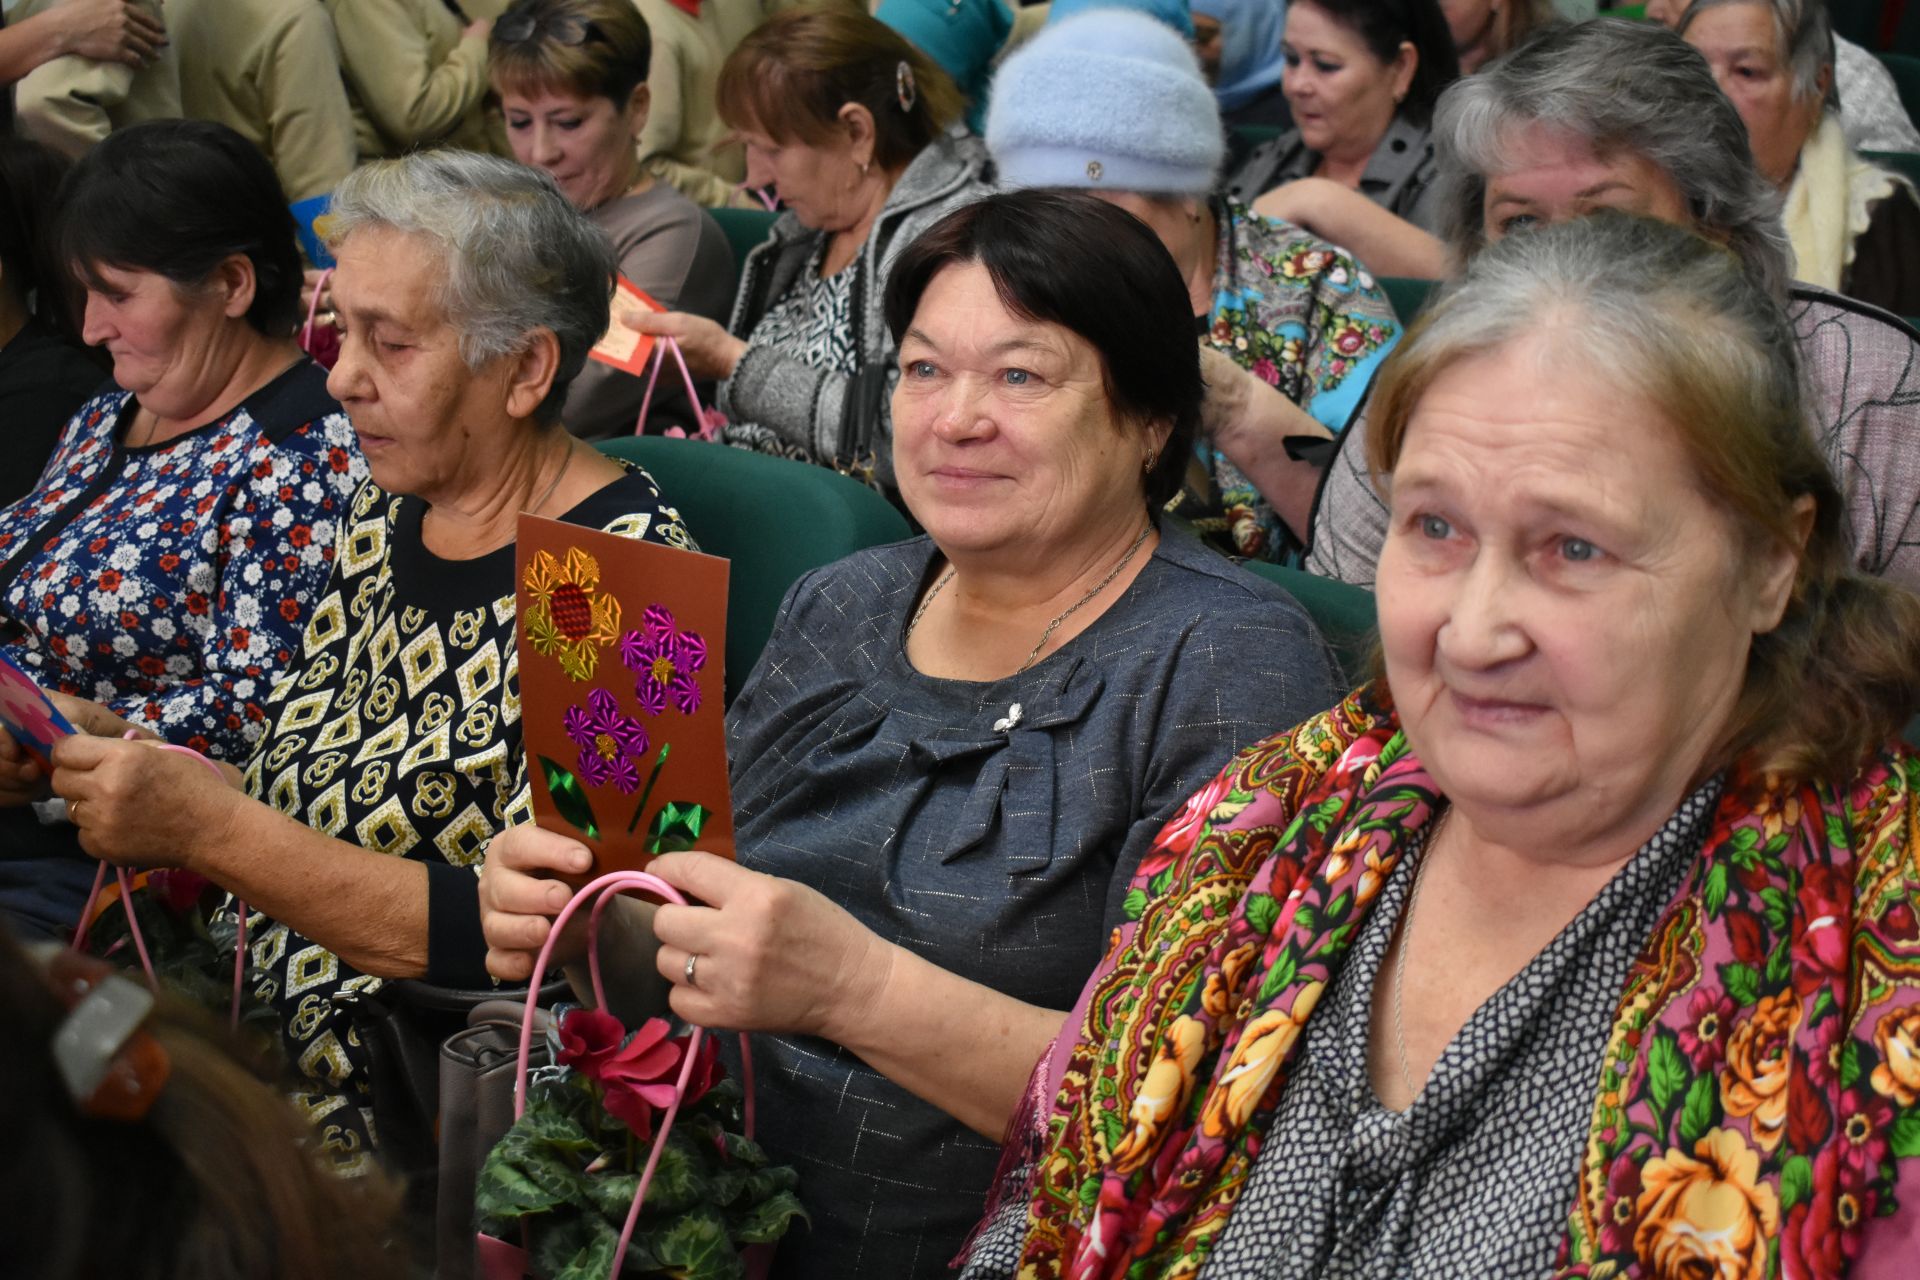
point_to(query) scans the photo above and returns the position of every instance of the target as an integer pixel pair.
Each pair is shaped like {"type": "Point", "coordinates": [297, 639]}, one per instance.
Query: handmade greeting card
{"type": "Point", "coordinates": [620, 346]}
{"type": "Point", "coordinates": [621, 653]}
{"type": "Point", "coordinates": [26, 713]}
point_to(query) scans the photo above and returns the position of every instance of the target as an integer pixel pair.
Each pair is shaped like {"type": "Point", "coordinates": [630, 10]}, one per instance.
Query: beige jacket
{"type": "Point", "coordinates": [412, 77]}
{"type": "Point", "coordinates": [270, 69]}
{"type": "Point", "coordinates": [71, 103]}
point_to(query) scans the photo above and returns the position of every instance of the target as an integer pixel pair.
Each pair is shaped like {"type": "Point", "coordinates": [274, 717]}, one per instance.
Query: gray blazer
{"type": "Point", "coordinates": [830, 414]}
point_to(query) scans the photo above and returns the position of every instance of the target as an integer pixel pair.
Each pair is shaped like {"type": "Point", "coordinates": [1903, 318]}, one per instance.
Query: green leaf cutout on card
{"type": "Point", "coordinates": [570, 798]}
{"type": "Point", "coordinates": [676, 828]}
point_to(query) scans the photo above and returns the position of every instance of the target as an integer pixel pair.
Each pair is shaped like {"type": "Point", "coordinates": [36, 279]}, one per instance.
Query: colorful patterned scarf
{"type": "Point", "coordinates": [1759, 1102]}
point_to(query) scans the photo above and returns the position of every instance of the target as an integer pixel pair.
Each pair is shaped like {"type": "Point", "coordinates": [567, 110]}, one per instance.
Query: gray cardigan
{"type": "Point", "coordinates": [830, 414]}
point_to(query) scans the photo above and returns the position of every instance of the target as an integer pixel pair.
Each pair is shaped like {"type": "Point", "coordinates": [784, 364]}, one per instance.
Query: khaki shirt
{"type": "Point", "coordinates": [269, 69]}
{"type": "Point", "coordinates": [71, 103]}
{"type": "Point", "coordinates": [412, 77]}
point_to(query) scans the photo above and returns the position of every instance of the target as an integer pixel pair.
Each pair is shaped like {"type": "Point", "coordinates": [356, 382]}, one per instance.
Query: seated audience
{"type": "Point", "coordinates": [1114, 103]}
{"type": "Point", "coordinates": [685, 143]}
{"type": "Point", "coordinates": [956, 749]}
{"type": "Point", "coordinates": [1248, 61]}
{"type": "Point", "coordinates": [1361, 80]}
{"type": "Point", "coordinates": [1855, 227]}
{"type": "Point", "coordinates": [152, 1150]}
{"type": "Point", "coordinates": [391, 750]}
{"type": "Point", "coordinates": [168, 561]}
{"type": "Point", "coordinates": [853, 128]}
{"type": "Point", "coordinates": [45, 373]}
{"type": "Point", "coordinates": [1870, 112]}
{"type": "Point", "coordinates": [572, 79]}
{"type": "Point", "coordinates": [271, 71]}
{"type": "Point", "coordinates": [1622, 114]}
{"type": "Point", "coordinates": [416, 74]}
{"type": "Point", "coordinates": [1536, 956]}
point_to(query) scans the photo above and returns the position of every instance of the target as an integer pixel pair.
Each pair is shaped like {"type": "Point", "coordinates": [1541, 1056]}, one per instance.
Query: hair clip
{"type": "Point", "coordinates": [904, 87]}
{"type": "Point", "coordinates": [113, 1069]}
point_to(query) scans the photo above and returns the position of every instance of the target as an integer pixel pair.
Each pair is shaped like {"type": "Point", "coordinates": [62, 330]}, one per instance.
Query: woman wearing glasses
{"type": "Point", "coordinates": [572, 80]}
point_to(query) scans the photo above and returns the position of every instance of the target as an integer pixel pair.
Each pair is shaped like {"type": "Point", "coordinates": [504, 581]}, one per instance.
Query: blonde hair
{"type": "Point", "coordinates": [1676, 319]}
{"type": "Point", "coordinates": [794, 72]}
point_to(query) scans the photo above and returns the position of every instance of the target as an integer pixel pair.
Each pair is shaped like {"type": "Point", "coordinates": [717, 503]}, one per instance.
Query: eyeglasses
{"type": "Point", "coordinates": [561, 28]}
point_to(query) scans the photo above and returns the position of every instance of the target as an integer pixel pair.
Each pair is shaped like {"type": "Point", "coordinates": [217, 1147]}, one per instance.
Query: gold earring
{"type": "Point", "coordinates": [1153, 456]}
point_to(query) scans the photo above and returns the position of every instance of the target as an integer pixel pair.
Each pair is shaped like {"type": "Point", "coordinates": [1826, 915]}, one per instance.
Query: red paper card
{"type": "Point", "coordinates": [622, 650]}
{"type": "Point", "coordinates": [620, 346]}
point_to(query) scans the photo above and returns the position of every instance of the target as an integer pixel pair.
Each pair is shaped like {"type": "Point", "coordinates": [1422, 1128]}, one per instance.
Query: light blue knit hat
{"type": "Point", "coordinates": [1109, 100]}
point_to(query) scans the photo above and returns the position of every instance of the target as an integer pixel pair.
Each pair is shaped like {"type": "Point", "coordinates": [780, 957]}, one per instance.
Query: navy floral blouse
{"type": "Point", "coordinates": [172, 582]}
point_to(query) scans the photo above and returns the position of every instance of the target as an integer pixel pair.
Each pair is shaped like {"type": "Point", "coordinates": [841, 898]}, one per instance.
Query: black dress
{"type": "Point", "coordinates": [43, 379]}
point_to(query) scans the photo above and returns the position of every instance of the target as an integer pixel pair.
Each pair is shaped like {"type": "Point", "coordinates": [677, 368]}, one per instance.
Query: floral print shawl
{"type": "Point", "coordinates": [1758, 1111]}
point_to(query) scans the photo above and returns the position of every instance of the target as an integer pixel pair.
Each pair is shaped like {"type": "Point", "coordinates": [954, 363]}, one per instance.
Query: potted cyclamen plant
{"type": "Point", "coordinates": [563, 1178]}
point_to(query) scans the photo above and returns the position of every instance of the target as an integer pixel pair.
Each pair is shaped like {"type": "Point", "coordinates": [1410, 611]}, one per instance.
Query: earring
{"type": "Point", "coordinates": [1153, 456]}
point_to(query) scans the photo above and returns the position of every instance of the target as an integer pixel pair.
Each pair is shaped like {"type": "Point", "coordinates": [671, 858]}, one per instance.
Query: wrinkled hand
{"type": "Point", "coordinates": [1297, 202]}
{"type": "Point", "coordinates": [137, 804]}
{"type": "Point", "coordinates": [110, 31]}
{"type": "Point", "coordinates": [773, 955]}
{"type": "Point", "coordinates": [92, 718]}
{"type": "Point", "coordinates": [529, 876]}
{"type": "Point", "coordinates": [20, 777]}
{"type": "Point", "coordinates": [711, 352]}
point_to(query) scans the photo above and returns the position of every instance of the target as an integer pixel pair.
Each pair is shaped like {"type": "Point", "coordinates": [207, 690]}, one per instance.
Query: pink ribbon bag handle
{"type": "Point", "coordinates": [662, 345]}
{"type": "Point", "coordinates": [502, 1261]}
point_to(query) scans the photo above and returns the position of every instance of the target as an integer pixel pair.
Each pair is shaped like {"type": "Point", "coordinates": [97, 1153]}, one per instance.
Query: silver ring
{"type": "Point", "coordinates": [687, 973]}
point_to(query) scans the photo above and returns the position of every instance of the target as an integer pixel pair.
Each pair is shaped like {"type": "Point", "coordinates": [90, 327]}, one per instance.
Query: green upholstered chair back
{"type": "Point", "coordinates": [1407, 295]}
{"type": "Point", "coordinates": [1906, 78]}
{"type": "Point", "coordinates": [1905, 163]}
{"type": "Point", "coordinates": [745, 229]}
{"type": "Point", "coordinates": [1343, 612]}
{"type": "Point", "coordinates": [774, 519]}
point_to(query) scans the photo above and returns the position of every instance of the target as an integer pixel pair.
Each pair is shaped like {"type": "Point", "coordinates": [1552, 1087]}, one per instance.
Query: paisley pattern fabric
{"type": "Point", "coordinates": [170, 582]}
{"type": "Point", "coordinates": [397, 729]}
{"type": "Point", "coordinates": [1302, 316]}
{"type": "Point", "coordinates": [1759, 1106]}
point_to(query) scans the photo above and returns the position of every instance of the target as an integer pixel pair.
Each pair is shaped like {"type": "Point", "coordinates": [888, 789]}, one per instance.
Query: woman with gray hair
{"type": "Point", "coordinates": [1625, 115]}
{"type": "Point", "coordinates": [1854, 227]}
{"type": "Point", "coordinates": [470, 291]}
{"type": "Point", "coordinates": [1568, 946]}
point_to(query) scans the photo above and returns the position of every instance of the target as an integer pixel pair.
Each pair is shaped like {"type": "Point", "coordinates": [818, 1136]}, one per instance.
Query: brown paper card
{"type": "Point", "coordinates": [622, 654]}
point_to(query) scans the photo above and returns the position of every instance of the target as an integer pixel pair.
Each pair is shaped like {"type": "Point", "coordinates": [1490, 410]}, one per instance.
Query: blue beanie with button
{"type": "Point", "coordinates": [1109, 100]}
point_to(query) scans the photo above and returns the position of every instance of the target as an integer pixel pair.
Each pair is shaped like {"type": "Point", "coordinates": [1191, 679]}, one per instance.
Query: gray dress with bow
{"type": "Point", "coordinates": [989, 827]}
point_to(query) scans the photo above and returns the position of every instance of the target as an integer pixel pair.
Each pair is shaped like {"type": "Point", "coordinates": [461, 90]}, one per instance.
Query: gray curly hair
{"type": "Point", "coordinates": [1620, 85]}
{"type": "Point", "coordinates": [1805, 30]}
{"type": "Point", "coordinates": [518, 256]}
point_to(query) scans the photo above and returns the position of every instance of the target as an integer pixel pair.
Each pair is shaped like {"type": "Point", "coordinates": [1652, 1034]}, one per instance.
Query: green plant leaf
{"type": "Point", "coordinates": [570, 798]}
{"type": "Point", "coordinates": [1796, 1181]}
{"type": "Point", "coordinates": [1700, 1110]}
{"type": "Point", "coordinates": [694, 1247]}
{"type": "Point", "coordinates": [504, 1191]}
{"type": "Point", "coordinates": [1666, 1070]}
{"type": "Point", "coordinates": [676, 828]}
{"type": "Point", "coordinates": [1262, 911]}
{"type": "Point", "coordinates": [593, 1259]}
{"type": "Point", "coordinates": [767, 1220]}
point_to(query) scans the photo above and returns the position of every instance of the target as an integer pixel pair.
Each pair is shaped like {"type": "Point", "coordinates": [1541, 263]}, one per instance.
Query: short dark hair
{"type": "Point", "coordinates": [1383, 24]}
{"type": "Point", "coordinates": [1072, 259]}
{"type": "Point", "coordinates": [30, 176]}
{"type": "Point", "coordinates": [177, 198]}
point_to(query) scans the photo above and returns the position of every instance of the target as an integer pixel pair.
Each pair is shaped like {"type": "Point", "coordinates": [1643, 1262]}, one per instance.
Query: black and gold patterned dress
{"type": "Point", "coordinates": [397, 728]}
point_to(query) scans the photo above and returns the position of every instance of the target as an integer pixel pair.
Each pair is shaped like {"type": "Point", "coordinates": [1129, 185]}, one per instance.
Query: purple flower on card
{"type": "Point", "coordinates": [609, 742]}
{"type": "Point", "coordinates": [663, 660]}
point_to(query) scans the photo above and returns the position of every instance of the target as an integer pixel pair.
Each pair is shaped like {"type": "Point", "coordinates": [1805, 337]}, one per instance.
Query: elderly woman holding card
{"type": "Point", "coordinates": [956, 750]}
{"type": "Point", "coordinates": [167, 558]}
{"type": "Point", "coordinates": [1584, 942]}
{"type": "Point", "coordinates": [470, 290]}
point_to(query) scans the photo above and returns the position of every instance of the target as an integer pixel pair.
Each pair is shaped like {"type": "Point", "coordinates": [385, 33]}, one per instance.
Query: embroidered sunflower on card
{"type": "Point", "coordinates": [566, 620]}
{"type": "Point", "coordinates": [664, 660]}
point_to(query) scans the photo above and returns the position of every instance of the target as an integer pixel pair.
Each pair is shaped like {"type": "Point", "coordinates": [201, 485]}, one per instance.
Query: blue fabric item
{"type": "Point", "coordinates": [1250, 61]}
{"type": "Point", "coordinates": [962, 36]}
{"type": "Point", "coordinates": [1174, 13]}
{"type": "Point", "coordinates": [1109, 100]}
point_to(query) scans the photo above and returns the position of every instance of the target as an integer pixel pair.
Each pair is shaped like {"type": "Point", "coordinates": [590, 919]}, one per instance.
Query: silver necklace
{"type": "Point", "coordinates": [1400, 961]}
{"type": "Point", "coordinates": [1053, 626]}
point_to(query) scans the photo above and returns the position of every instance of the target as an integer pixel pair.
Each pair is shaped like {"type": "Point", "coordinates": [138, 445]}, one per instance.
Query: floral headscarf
{"type": "Point", "coordinates": [1759, 1104]}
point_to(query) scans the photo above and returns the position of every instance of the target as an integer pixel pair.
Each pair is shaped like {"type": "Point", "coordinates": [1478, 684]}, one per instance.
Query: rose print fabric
{"type": "Point", "coordinates": [1755, 1111]}
{"type": "Point", "coordinates": [171, 582]}
{"type": "Point", "coordinates": [1302, 316]}
{"type": "Point", "coordinates": [397, 728]}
